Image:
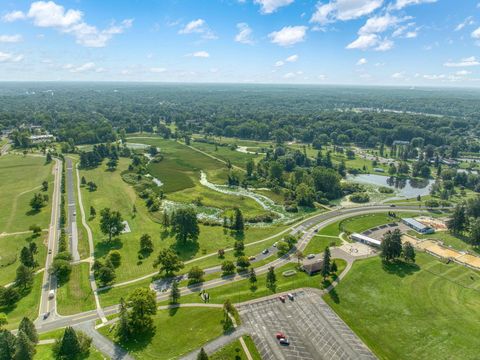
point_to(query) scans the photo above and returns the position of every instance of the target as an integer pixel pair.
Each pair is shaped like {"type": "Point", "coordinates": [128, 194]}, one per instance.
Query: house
{"type": "Point", "coordinates": [312, 266]}
{"type": "Point", "coordinates": [417, 226]}
{"type": "Point", "coordinates": [366, 240]}
{"type": "Point", "coordinates": [36, 139]}
{"type": "Point", "coordinates": [401, 143]}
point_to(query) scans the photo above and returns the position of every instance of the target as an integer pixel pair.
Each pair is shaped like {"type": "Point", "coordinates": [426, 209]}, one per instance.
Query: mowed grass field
{"type": "Point", "coordinates": [114, 193]}
{"type": "Point", "coordinates": [10, 247]}
{"type": "Point", "coordinates": [20, 178]}
{"type": "Point", "coordinates": [45, 352]}
{"type": "Point", "coordinates": [424, 311]}
{"type": "Point", "coordinates": [226, 153]}
{"type": "Point", "coordinates": [76, 295]}
{"type": "Point", "coordinates": [178, 332]}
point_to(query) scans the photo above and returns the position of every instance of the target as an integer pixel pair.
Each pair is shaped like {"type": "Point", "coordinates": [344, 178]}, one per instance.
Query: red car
{"type": "Point", "coordinates": [280, 335]}
{"type": "Point", "coordinates": [282, 298]}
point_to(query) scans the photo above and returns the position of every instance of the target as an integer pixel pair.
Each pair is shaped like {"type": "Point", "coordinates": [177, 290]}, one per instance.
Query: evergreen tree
{"type": "Point", "coordinates": [7, 345]}
{"type": "Point", "coordinates": [68, 345]}
{"type": "Point", "coordinates": [202, 355]}
{"type": "Point", "coordinates": [408, 252]}
{"type": "Point", "coordinates": [459, 221]}
{"type": "Point", "coordinates": [391, 247]}
{"type": "Point", "coordinates": [333, 267]}
{"type": "Point", "coordinates": [238, 224]}
{"type": "Point", "coordinates": [326, 263]}
{"type": "Point", "coordinates": [24, 277]}
{"type": "Point", "coordinates": [27, 326]}
{"type": "Point", "coordinates": [475, 233]}
{"type": "Point", "coordinates": [26, 257]}
{"type": "Point", "coordinates": [24, 348]}
{"type": "Point", "coordinates": [174, 292]}
{"type": "Point", "coordinates": [271, 279]}
{"type": "Point", "coordinates": [146, 244]}
{"type": "Point", "coordinates": [122, 328]}
{"type": "Point", "coordinates": [252, 277]}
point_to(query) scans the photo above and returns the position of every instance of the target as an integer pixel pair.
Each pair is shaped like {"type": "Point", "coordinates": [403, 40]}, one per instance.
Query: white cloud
{"type": "Point", "coordinates": [13, 16]}
{"type": "Point", "coordinates": [198, 26]}
{"type": "Point", "coordinates": [288, 35]}
{"type": "Point", "coordinates": [465, 62]}
{"type": "Point", "coordinates": [378, 24]}
{"type": "Point", "coordinates": [468, 21]}
{"type": "Point", "coordinates": [344, 10]}
{"type": "Point", "coordinates": [157, 69]}
{"type": "Point", "coordinates": [10, 38]}
{"type": "Point", "coordinates": [399, 75]}
{"type": "Point", "coordinates": [244, 35]}
{"type": "Point", "coordinates": [322, 77]}
{"type": "Point", "coordinates": [411, 34]}
{"type": "Point", "coordinates": [400, 4]}
{"type": "Point", "coordinates": [292, 75]}
{"type": "Point", "coordinates": [9, 57]}
{"type": "Point", "coordinates": [384, 45]}
{"type": "Point", "coordinates": [89, 66]}
{"type": "Point", "coordinates": [476, 33]}
{"type": "Point", "coordinates": [201, 54]}
{"type": "Point", "coordinates": [270, 6]}
{"type": "Point", "coordinates": [50, 14]}
{"type": "Point", "coordinates": [292, 58]}
{"type": "Point", "coordinates": [279, 63]}
{"type": "Point", "coordinates": [364, 42]}
{"type": "Point", "coordinates": [463, 72]}
{"type": "Point", "coordinates": [362, 61]}
{"type": "Point", "coordinates": [434, 76]}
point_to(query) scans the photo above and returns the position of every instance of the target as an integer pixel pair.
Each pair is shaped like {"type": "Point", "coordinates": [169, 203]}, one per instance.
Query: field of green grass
{"type": "Point", "coordinates": [26, 306]}
{"type": "Point", "coordinates": [10, 247]}
{"type": "Point", "coordinates": [240, 291]}
{"type": "Point", "coordinates": [44, 352]}
{"type": "Point", "coordinates": [425, 311]}
{"type": "Point", "coordinates": [21, 177]}
{"type": "Point", "coordinates": [225, 153]}
{"type": "Point", "coordinates": [76, 295]}
{"type": "Point", "coordinates": [178, 332]}
{"type": "Point", "coordinates": [319, 243]}
{"type": "Point", "coordinates": [114, 193]}
{"type": "Point", "coordinates": [234, 351]}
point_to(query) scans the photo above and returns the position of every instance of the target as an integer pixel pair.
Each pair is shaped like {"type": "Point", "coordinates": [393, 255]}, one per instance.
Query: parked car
{"type": "Point", "coordinates": [51, 294]}
{"type": "Point", "coordinates": [280, 335]}
{"type": "Point", "coordinates": [251, 258]}
{"type": "Point", "coordinates": [310, 256]}
{"type": "Point", "coordinates": [393, 205]}
{"type": "Point", "coordinates": [290, 296]}
{"type": "Point", "coordinates": [266, 251]}
{"type": "Point", "coordinates": [284, 341]}
{"type": "Point", "coordinates": [282, 298]}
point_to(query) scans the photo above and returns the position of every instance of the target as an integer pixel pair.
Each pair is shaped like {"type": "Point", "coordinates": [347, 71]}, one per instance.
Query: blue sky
{"type": "Point", "coordinates": [368, 42]}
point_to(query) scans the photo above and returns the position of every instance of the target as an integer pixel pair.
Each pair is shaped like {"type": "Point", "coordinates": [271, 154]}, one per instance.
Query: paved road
{"type": "Point", "coordinates": [49, 283]}
{"type": "Point", "coordinates": [72, 229]}
{"type": "Point", "coordinates": [314, 330]}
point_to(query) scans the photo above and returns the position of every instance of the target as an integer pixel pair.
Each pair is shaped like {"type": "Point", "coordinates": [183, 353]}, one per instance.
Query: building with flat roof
{"type": "Point", "coordinates": [417, 226]}
{"type": "Point", "coordinates": [312, 266]}
{"type": "Point", "coordinates": [35, 139]}
{"type": "Point", "coordinates": [365, 240]}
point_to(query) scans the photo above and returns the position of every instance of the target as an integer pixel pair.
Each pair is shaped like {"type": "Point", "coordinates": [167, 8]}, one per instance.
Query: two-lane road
{"type": "Point", "coordinates": [72, 229]}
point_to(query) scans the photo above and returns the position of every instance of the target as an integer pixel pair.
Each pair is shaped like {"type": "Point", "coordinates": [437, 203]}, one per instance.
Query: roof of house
{"type": "Point", "coordinates": [366, 239]}
{"type": "Point", "coordinates": [415, 223]}
{"type": "Point", "coordinates": [312, 266]}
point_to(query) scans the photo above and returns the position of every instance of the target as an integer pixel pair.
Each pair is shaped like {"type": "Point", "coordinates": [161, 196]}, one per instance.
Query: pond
{"type": "Point", "coordinates": [404, 188]}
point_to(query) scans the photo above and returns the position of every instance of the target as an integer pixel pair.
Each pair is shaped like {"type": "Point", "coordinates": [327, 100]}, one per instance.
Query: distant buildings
{"type": "Point", "coordinates": [417, 226]}
{"type": "Point", "coordinates": [401, 142]}
{"type": "Point", "coordinates": [37, 139]}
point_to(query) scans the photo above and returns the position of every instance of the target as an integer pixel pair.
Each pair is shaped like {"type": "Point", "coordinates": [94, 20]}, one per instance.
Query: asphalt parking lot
{"type": "Point", "coordinates": [313, 329]}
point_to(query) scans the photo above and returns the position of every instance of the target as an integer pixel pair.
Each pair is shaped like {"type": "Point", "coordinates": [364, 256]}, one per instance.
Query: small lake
{"type": "Point", "coordinates": [405, 188]}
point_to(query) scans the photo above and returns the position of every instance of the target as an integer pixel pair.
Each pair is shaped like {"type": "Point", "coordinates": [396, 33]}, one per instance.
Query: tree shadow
{"type": "Point", "coordinates": [102, 248]}
{"type": "Point", "coordinates": [334, 296]}
{"type": "Point", "coordinates": [32, 212]}
{"type": "Point", "coordinates": [139, 342]}
{"type": "Point", "coordinates": [173, 310]}
{"type": "Point", "coordinates": [400, 268]}
{"type": "Point", "coordinates": [186, 250]}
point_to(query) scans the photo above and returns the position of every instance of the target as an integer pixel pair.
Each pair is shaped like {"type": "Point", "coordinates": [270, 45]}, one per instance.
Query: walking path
{"type": "Point", "coordinates": [91, 247]}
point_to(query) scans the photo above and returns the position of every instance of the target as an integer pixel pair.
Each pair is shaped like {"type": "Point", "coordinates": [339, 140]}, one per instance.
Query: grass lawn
{"type": "Point", "coordinates": [178, 332]}
{"type": "Point", "coordinates": [76, 295]}
{"type": "Point", "coordinates": [251, 347]}
{"type": "Point", "coordinates": [26, 306]}
{"type": "Point", "coordinates": [234, 351]}
{"type": "Point", "coordinates": [10, 247]}
{"type": "Point", "coordinates": [241, 291]}
{"type": "Point", "coordinates": [21, 177]}
{"type": "Point", "coordinates": [424, 311]}
{"type": "Point", "coordinates": [44, 352]}
{"type": "Point", "coordinates": [319, 243]}
{"type": "Point", "coordinates": [114, 193]}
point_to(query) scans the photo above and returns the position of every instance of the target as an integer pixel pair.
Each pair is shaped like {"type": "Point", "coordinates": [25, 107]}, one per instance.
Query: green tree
{"type": "Point", "coordinates": [243, 262]}
{"type": "Point", "coordinates": [391, 247]}
{"type": "Point", "coordinates": [122, 329]}
{"type": "Point", "coordinates": [238, 247]}
{"type": "Point", "coordinates": [271, 279]}
{"type": "Point", "coordinates": [238, 224]}
{"type": "Point", "coordinates": [61, 267]}
{"type": "Point", "coordinates": [9, 296]}
{"type": "Point", "coordinates": [24, 348]}
{"type": "Point", "coordinates": [408, 252]}
{"type": "Point", "coordinates": [112, 164]}
{"type": "Point", "coordinates": [7, 345]}
{"type": "Point", "coordinates": [326, 263]}
{"type": "Point", "coordinates": [115, 258]}
{"type": "Point", "coordinates": [305, 195]}
{"type": "Point", "coordinates": [168, 262]}
{"type": "Point", "coordinates": [37, 202]}
{"type": "Point", "coordinates": [185, 225]}
{"type": "Point", "coordinates": [27, 326]}
{"type": "Point", "coordinates": [106, 275]}
{"type": "Point", "coordinates": [146, 244]}
{"type": "Point", "coordinates": [111, 223]}
{"type": "Point", "coordinates": [202, 355]}
{"type": "Point", "coordinates": [174, 292]}
{"type": "Point", "coordinates": [44, 185]}
{"type": "Point", "coordinates": [68, 346]}
{"type": "Point", "coordinates": [252, 278]}
{"type": "Point", "coordinates": [333, 267]}
{"type": "Point", "coordinates": [3, 321]}
{"type": "Point", "coordinates": [24, 276]}
{"type": "Point", "coordinates": [459, 221]}
{"type": "Point", "coordinates": [93, 212]}
{"type": "Point", "coordinates": [475, 233]}
{"type": "Point", "coordinates": [250, 167]}
{"type": "Point", "coordinates": [228, 267]}
{"type": "Point", "coordinates": [143, 306]}
{"type": "Point", "coordinates": [26, 257]}
{"type": "Point", "coordinates": [195, 275]}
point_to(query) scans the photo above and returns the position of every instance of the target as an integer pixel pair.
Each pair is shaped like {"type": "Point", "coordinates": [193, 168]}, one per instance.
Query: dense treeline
{"type": "Point", "coordinates": [92, 113]}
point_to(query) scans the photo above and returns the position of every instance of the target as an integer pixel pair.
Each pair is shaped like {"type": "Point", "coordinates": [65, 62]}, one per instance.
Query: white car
{"type": "Point", "coordinates": [310, 256]}
{"type": "Point", "coordinates": [264, 252]}
{"type": "Point", "coordinates": [51, 294]}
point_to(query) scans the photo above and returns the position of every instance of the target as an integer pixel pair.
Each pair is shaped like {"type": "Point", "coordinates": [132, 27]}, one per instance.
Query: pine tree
{"type": "Point", "coordinates": [7, 345]}
{"type": "Point", "coordinates": [252, 277]}
{"type": "Point", "coordinates": [326, 263]}
{"type": "Point", "coordinates": [333, 267]}
{"type": "Point", "coordinates": [24, 348]}
{"type": "Point", "coordinates": [123, 329]}
{"type": "Point", "coordinates": [24, 276]}
{"type": "Point", "coordinates": [27, 326]}
{"type": "Point", "coordinates": [26, 257]}
{"type": "Point", "coordinates": [174, 292]}
{"type": "Point", "coordinates": [271, 279]}
{"type": "Point", "coordinates": [408, 252]}
{"type": "Point", "coordinates": [239, 223]}
{"type": "Point", "coordinates": [202, 355]}
{"type": "Point", "coordinates": [68, 344]}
